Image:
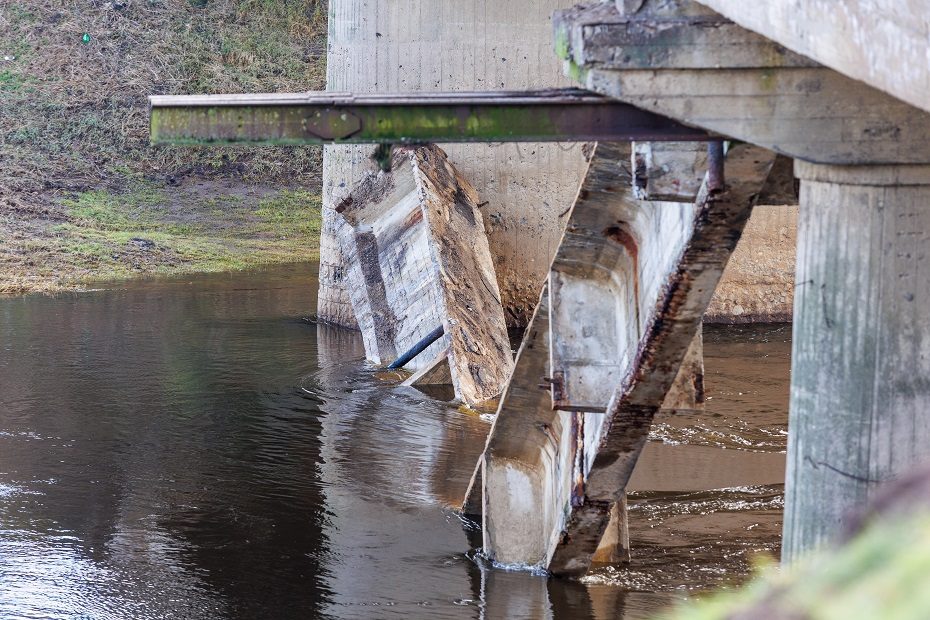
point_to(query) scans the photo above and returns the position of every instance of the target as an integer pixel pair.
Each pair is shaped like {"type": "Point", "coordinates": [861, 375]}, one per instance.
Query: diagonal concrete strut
{"type": "Point", "coordinates": [626, 294]}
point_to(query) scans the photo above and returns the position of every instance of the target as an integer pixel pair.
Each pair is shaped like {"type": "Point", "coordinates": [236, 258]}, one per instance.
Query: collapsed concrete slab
{"type": "Point", "coordinates": [418, 258]}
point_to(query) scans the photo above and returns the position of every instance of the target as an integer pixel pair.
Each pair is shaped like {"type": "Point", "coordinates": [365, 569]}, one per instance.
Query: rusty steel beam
{"type": "Point", "coordinates": [568, 115]}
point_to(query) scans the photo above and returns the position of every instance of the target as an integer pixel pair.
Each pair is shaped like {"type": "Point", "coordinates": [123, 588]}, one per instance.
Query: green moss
{"type": "Point", "coordinates": [10, 82]}
{"type": "Point", "coordinates": [562, 48]}
{"type": "Point", "coordinates": [138, 210]}
{"type": "Point", "coordinates": [121, 235]}
{"type": "Point", "coordinates": [291, 213]}
{"type": "Point", "coordinates": [576, 72]}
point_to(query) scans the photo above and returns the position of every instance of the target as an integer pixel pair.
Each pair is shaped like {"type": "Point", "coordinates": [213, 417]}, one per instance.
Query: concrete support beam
{"type": "Point", "coordinates": [628, 288]}
{"type": "Point", "coordinates": [880, 42]}
{"type": "Point", "coordinates": [699, 68]}
{"type": "Point", "coordinates": [523, 502]}
{"type": "Point", "coordinates": [686, 393]}
{"type": "Point", "coordinates": [860, 380]}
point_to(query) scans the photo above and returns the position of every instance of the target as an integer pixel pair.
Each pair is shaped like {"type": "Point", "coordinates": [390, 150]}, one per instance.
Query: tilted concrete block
{"type": "Point", "coordinates": [418, 257]}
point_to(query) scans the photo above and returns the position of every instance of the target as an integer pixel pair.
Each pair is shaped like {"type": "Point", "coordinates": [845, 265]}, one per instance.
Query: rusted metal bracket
{"type": "Point", "coordinates": [569, 115]}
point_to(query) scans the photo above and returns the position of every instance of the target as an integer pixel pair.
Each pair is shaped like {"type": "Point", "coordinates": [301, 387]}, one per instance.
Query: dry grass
{"type": "Point", "coordinates": [74, 117]}
{"type": "Point", "coordinates": [74, 114]}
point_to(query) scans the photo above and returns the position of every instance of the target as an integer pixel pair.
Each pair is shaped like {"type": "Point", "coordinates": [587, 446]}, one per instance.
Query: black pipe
{"type": "Point", "coordinates": [715, 177]}
{"type": "Point", "coordinates": [418, 348]}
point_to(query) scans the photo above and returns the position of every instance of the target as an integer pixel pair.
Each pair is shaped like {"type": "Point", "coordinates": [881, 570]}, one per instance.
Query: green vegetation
{"type": "Point", "coordinates": [109, 236]}
{"type": "Point", "coordinates": [79, 180]}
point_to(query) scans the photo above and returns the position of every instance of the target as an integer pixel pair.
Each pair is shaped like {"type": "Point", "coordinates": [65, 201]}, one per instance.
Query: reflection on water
{"type": "Point", "coordinates": [193, 448]}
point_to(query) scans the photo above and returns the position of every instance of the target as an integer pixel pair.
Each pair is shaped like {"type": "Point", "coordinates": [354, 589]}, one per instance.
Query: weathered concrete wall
{"type": "Point", "coordinates": [758, 283]}
{"type": "Point", "coordinates": [441, 45]}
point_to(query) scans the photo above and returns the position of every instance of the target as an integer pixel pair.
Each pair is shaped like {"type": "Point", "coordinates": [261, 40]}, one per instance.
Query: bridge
{"type": "Point", "coordinates": [615, 328]}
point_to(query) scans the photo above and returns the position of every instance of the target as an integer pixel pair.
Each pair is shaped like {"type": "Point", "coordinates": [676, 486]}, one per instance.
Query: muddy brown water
{"type": "Point", "coordinates": [193, 448]}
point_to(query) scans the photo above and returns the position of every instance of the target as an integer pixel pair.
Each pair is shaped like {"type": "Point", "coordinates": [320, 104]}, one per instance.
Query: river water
{"type": "Point", "coordinates": [196, 448]}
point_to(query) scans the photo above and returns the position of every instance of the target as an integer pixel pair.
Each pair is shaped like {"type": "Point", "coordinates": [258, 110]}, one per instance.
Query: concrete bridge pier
{"type": "Point", "coordinates": [404, 46]}
{"type": "Point", "coordinates": [860, 380]}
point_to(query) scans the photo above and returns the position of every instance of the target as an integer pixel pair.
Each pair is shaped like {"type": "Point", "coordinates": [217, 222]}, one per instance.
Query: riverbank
{"type": "Point", "coordinates": [60, 242]}
{"type": "Point", "coordinates": [84, 197]}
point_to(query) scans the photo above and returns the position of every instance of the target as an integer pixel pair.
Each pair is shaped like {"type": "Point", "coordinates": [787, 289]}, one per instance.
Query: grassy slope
{"type": "Point", "coordinates": [82, 194]}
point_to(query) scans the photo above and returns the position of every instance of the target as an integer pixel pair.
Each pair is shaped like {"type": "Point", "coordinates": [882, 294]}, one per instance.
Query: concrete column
{"type": "Point", "coordinates": [860, 380]}
{"type": "Point", "coordinates": [444, 45]}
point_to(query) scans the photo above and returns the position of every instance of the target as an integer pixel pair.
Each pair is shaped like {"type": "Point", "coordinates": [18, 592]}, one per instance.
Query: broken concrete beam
{"type": "Point", "coordinates": [418, 258]}
{"type": "Point", "coordinates": [436, 372]}
{"type": "Point", "coordinates": [389, 46]}
{"type": "Point", "coordinates": [668, 171]}
{"type": "Point", "coordinates": [708, 72]}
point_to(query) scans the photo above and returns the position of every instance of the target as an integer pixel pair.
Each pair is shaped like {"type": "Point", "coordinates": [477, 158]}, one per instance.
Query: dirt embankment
{"type": "Point", "coordinates": [82, 194]}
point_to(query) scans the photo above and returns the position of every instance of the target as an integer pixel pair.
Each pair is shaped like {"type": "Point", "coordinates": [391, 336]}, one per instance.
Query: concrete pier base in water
{"type": "Point", "coordinates": [860, 380]}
